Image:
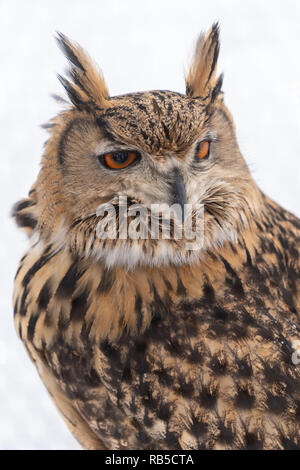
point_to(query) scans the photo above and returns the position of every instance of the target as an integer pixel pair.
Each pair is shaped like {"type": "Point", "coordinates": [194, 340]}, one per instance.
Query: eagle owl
{"type": "Point", "coordinates": [144, 343]}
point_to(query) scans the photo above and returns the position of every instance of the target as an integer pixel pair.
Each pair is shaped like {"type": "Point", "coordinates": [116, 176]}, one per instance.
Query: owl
{"type": "Point", "coordinates": [154, 342]}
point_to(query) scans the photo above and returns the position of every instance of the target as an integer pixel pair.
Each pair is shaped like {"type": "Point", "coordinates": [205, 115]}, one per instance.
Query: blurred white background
{"type": "Point", "coordinates": [139, 45]}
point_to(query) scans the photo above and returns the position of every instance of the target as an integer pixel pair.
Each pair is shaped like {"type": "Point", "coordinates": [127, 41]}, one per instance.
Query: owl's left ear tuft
{"type": "Point", "coordinates": [88, 89]}
{"type": "Point", "coordinates": [201, 80]}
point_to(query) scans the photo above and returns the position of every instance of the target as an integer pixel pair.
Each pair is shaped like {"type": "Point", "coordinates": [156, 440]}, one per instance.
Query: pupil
{"type": "Point", "coordinates": [120, 157]}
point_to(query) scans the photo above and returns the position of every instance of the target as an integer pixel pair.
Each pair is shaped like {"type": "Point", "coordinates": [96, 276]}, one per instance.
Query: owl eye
{"type": "Point", "coordinates": [119, 160]}
{"type": "Point", "coordinates": [203, 149]}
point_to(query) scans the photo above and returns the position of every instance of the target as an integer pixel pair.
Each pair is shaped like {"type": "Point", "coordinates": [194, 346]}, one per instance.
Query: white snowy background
{"type": "Point", "coordinates": [139, 45]}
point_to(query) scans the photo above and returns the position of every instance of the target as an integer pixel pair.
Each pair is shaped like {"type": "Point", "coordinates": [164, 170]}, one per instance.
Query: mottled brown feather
{"type": "Point", "coordinates": [143, 350]}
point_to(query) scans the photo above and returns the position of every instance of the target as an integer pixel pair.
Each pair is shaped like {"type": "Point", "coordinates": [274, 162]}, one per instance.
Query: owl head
{"type": "Point", "coordinates": [110, 154]}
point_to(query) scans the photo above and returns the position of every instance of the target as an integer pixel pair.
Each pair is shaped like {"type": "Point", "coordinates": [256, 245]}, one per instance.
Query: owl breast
{"type": "Point", "coordinates": [212, 369]}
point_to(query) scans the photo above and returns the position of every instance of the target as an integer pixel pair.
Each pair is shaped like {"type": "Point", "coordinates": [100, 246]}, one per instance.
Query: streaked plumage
{"type": "Point", "coordinates": [141, 344]}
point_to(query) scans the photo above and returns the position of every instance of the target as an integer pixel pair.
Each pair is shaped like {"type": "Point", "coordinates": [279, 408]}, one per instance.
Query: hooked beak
{"type": "Point", "coordinates": [179, 192]}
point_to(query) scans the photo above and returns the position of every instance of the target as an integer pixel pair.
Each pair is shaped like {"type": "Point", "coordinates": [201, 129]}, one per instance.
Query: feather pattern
{"type": "Point", "coordinates": [143, 343]}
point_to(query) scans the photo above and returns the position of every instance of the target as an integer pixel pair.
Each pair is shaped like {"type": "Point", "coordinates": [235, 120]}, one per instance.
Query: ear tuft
{"type": "Point", "coordinates": [201, 79]}
{"type": "Point", "coordinates": [89, 89]}
{"type": "Point", "coordinates": [76, 96]}
{"type": "Point", "coordinates": [217, 88]}
{"type": "Point", "coordinates": [69, 50]}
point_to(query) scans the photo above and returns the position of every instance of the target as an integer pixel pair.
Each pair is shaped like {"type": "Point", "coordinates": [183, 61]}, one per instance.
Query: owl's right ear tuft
{"type": "Point", "coordinates": [201, 80]}
{"type": "Point", "coordinates": [88, 90]}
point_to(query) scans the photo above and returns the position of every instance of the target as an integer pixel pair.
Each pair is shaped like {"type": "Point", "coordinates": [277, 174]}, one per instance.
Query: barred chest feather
{"type": "Point", "coordinates": [191, 357]}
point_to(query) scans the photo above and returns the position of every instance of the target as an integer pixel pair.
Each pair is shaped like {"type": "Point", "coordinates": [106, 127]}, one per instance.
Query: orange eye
{"type": "Point", "coordinates": [202, 150]}
{"type": "Point", "coordinates": [119, 160]}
